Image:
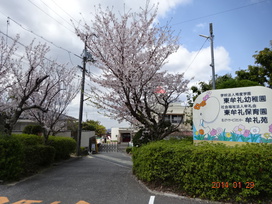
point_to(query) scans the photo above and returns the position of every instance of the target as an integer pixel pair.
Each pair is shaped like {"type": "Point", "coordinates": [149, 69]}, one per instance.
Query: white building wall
{"type": "Point", "coordinates": [115, 134]}
{"type": "Point", "coordinates": [174, 109]}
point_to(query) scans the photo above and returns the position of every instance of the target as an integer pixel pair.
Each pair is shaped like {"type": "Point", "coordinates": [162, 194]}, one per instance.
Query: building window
{"type": "Point", "coordinates": [167, 118]}
{"type": "Point", "coordinates": [175, 119]}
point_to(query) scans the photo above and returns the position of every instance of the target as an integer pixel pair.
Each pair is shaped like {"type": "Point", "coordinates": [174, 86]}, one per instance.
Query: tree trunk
{"type": "Point", "coordinates": [13, 120]}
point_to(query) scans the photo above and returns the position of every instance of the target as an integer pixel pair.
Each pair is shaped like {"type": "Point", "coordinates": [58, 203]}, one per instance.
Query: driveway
{"type": "Point", "coordinates": [104, 178]}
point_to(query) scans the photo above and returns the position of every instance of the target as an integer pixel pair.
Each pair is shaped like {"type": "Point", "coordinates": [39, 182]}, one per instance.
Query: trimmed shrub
{"type": "Point", "coordinates": [139, 140]}
{"type": "Point", "coordinates": [129, 150]}
{"type": "Point", "coordinates": [64, 146]}
{"type": "Point", "coordinates": [37, 157]}
{"type": "Point", "coordinates": [28, 140]}
{"type": "Point", "coordinates": [23, 154]}
{"type": "Point", "coordinates": [11, 158]}
{"type": "Point", "coordinates": [33, 129]}
{"type": "Point", "coordinates": [210, 171]}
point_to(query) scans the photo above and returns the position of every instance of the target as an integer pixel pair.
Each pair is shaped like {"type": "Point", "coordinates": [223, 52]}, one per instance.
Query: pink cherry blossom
{"type": "Point", "coordinates": [31, 81]}
{"type": "Point", "coordinates": [130, 50]}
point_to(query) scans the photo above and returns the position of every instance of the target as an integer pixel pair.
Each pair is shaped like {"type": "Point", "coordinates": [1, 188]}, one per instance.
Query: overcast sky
{"type": "Point", "coordinates": [240, 27]}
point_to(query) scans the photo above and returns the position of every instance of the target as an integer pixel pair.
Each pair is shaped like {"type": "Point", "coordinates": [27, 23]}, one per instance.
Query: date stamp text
{"type": "Point", "coordinates": [233, 184]}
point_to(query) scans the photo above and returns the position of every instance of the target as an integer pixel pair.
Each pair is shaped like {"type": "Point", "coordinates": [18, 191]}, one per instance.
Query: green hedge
{"type": "Point", "coordinates": [139, 140]}
{"type": "Point", "coordinates": [11, 158]}
{"type": "Point", "coordinates": [195, 170]}
{"type": "Point", "coordinates": [64, 146]}
{"type": "Point", "coordinates": [28, 140]}
{"type": "Point", "coordinates": [22, 154]}
{"type": "Point", "coordinates": [37, 157]}
{"type": "Point", "coordinates": [33, 129]}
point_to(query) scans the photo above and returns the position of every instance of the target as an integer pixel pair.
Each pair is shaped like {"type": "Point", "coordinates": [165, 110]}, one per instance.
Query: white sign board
{"type": "Point", "coordinates": [234, 115]}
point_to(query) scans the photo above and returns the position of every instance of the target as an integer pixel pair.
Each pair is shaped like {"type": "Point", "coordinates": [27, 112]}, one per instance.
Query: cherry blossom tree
{"type": "Point", "coordinates": [55, 120]}
{"type": "Point", "coordinates": [131, 50]}
{"type": "Point", "coordinates": [32, 82]}
{"type": "Point", "coordinates": [6, 53]}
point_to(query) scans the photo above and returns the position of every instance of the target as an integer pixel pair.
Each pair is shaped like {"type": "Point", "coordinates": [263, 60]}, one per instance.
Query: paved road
{"type": "Point", "coordinates": [97, 179]}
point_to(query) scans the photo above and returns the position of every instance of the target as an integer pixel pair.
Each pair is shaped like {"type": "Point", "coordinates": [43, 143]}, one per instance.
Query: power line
{"type": "Point", "coordinates": [69, 52]}
{"type": "Point", "coordinates": [50, 16]}
{"type": "Point", "coordinates": [37, 35]}
{"type": "Point", "coordinates": [12, 38]}
{"type": "Point", "coordinates": [32, 32]}
{"type": "Point", "coordinates": [22, 57]}
{"type": "Point", "coordinates": [69, 23]}
{"type": "Point", "coordinates": [221, 12]}
{"type": "Point", "coordinates": [196, 55]}
{"type": "Point", "coordinates": [65, 12]}
{"type": "Point", "coordinates": [17, 41]}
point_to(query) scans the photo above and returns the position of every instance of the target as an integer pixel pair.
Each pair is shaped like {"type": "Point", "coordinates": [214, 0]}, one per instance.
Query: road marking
{"type": "Point", "coordinates": [28, 201]}
{"type": "Point", "coordinates": [151, 200]}
{"type": "Point", "coordinates": [82, 202]}
{"type": "Point", "coordinates": [3, 200]}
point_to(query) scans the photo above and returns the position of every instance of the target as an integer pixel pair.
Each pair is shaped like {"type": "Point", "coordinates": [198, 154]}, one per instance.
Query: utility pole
{"type": "Point", "coordinates": [86, 57]}
{"type": "Point", "coordinates": [212, 54]}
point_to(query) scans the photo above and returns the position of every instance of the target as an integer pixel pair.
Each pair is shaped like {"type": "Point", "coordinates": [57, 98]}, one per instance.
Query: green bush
{"type": "Point", "coordinates": [64, 146]}
{"type": "Point", "coordinates": [140, 139]}
{"type": "Point", "coordinates": [23, 154]}
{"type": "Point", "coordinates": [28, 140]}
{"type": "Point", "coordinates": [11, 158]}
{"type": "Point", "coordinates": [195, 170]}
{"type": "Point", "coordinates": [33, 129]}
{"type": "Point", "coordinates": [129, 150]}
{"type": "Point", "coordinates": [37, 157]}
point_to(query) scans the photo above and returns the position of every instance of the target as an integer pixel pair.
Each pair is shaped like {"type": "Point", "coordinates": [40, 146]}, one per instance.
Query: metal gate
{"type": "Point", "coordinates": [108, 147]}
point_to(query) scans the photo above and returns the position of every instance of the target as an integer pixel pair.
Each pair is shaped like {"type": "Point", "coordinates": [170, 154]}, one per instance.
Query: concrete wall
{"type": "Point", "coordinates": [21, 124]}
{"type": "Point", "coordinates": [85, 136]}
{"type": "Point", "coordinates": [64, 134]}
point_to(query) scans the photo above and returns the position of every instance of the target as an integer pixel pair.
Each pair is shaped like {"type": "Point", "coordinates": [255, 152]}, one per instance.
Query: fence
{"type": "Point", "coordinates": [108, 147]}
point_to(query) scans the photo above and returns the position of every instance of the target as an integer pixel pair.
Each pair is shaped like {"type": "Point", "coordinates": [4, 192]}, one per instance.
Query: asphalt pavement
{"type": "Point", "coordinates": [104, 178]}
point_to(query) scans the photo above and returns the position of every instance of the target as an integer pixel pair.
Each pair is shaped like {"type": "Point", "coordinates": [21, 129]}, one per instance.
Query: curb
{"type": "Point", "coordinates": [173, 195]}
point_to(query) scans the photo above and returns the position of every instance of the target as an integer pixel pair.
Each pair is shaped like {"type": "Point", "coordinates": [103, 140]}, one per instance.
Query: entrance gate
{"type": "Point", "coordinates": [108, 147]}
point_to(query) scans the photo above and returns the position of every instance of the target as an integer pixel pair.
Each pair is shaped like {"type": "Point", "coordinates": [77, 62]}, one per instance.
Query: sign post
{"type": "Point", "coordinates": [233, 116]}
